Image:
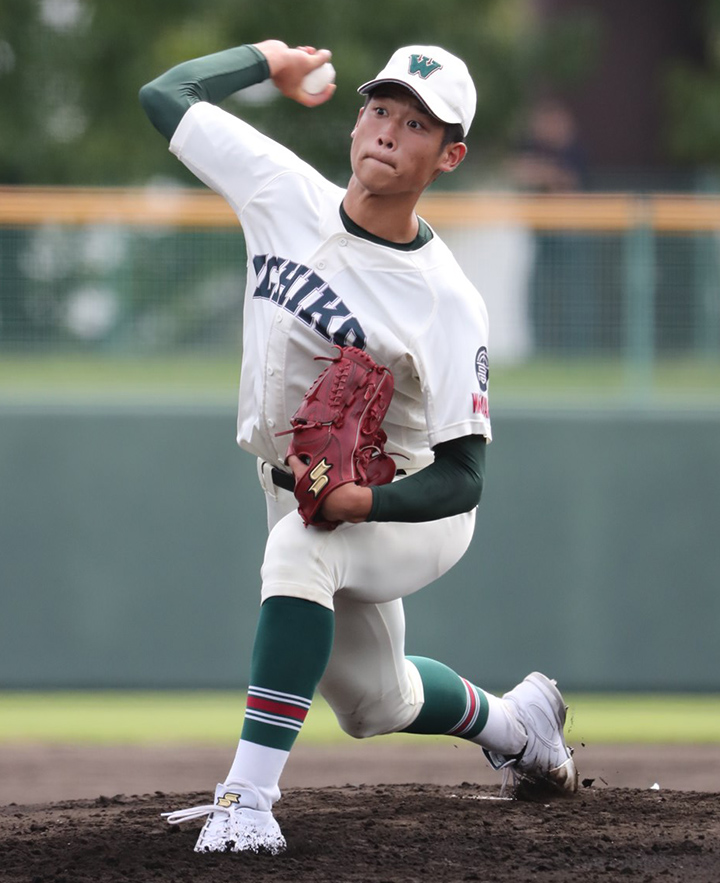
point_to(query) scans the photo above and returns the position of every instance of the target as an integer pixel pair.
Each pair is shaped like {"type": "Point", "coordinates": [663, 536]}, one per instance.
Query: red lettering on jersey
{"type": "Point", "coordinates": [480, 404]}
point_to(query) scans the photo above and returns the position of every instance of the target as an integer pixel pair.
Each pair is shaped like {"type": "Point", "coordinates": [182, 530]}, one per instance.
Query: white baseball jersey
{"type": "Point", "coordinates": [312, 284]}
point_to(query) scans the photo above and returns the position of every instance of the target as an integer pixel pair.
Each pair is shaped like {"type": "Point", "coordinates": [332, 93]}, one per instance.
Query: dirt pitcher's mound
{"type": "Point", "coordinates": [371, 833]}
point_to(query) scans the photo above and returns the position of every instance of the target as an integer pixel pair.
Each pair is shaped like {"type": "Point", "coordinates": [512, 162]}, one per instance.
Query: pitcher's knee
{"type": "Point", "coordinates": [356, 727]}
{"type": "Point", "coordinates": [377, 719]}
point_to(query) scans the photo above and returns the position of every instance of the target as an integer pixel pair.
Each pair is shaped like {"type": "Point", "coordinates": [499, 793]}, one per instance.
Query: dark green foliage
{"type": "Point", "coordinates": [70, 71]}
{"type": "Point", "coordinates": [692, 95]}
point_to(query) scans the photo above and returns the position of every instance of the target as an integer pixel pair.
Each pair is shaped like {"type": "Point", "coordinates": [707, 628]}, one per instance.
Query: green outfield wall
{"type": "Point", "coordinates": [131, 538]}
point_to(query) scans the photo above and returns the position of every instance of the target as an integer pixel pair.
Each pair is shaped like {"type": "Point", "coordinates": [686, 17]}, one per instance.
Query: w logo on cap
{"type": "Point", "coordinates": [422, 66]}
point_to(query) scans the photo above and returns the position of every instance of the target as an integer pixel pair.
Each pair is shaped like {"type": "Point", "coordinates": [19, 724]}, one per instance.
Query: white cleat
{"type": "Point", "coordinates": [546, 761]}
{"type": "Point", "coordinates": [231, 827]}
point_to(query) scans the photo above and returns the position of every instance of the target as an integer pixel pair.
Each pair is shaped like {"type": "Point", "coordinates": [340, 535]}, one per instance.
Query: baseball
{"type": "Point", "coordinates": [316, 81]}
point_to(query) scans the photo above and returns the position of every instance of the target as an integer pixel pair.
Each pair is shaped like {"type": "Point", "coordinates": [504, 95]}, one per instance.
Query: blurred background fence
{"type": "Point", "coordinates": [131, 529]}
{"type": "Point", "coordinates": [622, 288]}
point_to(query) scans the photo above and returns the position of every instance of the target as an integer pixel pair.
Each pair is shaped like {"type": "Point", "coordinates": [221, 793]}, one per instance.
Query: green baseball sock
{"type": "Point", "coordinates": [292, 647]}
{"type": "Point", "coordinates": [453, 706]}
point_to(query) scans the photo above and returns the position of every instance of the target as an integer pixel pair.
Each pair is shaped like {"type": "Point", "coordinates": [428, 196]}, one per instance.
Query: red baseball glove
{"type": "Point", "coordinates": [336, 431]}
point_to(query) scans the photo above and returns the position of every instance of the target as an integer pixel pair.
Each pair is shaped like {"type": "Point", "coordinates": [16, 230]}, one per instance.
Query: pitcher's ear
{"type": "Point", "coordinates": [453, 155]}
{"type": "Point", "coordinates": [357, 121]}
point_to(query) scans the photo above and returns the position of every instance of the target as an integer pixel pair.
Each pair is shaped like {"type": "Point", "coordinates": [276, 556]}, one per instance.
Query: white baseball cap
{"type": "Point", "coordinates": [439, 79]}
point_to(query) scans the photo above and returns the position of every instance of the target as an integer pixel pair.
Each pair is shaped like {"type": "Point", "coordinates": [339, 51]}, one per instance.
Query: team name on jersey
{"type": "Point", "coordinates": [482, 371]}
{"type": "Point", "coordinates": [480, 404]}
{"type": "Point", "coordinates": [300, 291]}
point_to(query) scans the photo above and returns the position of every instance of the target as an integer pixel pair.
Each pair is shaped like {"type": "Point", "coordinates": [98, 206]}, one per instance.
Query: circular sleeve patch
{"type": "Point", "coordinates": [482, 368]}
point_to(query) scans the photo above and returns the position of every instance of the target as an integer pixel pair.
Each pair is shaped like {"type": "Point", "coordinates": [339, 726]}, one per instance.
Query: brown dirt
{"type": "Point", "coordinates": [451, 829]}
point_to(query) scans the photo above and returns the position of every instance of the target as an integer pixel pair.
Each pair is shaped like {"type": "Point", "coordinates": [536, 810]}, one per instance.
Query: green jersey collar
{"type": "Point", "coordinates": [424, 234]}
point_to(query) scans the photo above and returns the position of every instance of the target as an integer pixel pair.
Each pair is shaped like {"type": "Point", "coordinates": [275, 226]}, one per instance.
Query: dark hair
{"type": "Point", "coordinates": [453, 131]}
{"type": "Point", "coordinates": [453, 134]}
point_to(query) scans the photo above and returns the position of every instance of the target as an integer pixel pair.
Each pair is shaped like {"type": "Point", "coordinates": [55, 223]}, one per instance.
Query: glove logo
{"type": "Point", "coordinates": [319, 477]}
{"type": "Point", "coordinates": [422, 66]}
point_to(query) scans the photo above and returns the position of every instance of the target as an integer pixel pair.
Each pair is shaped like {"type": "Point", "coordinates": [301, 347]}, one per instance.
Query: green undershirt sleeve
{"type": "Point", "coordinates": [212, 78]}
{"type": "Point", "coordinates": [451, 484]}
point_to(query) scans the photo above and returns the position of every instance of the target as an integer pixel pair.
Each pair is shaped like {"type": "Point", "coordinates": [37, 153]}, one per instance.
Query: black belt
{"type": "Point", "coordinates": [285, 480]}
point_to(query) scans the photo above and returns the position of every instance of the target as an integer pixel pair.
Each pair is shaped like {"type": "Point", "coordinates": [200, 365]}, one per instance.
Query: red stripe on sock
{"type": "Point", "coordinates": [273, 707]}
{"type": "Point", "coordinates": [471, 710]}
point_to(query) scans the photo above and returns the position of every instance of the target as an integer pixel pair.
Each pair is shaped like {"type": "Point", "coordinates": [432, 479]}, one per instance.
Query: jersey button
{"type": "Point", "coordinates": [343, 242]}
{"type": "Point", "coordinates": [270, 422]}
{"type": "Point", "coordinates": [270, 370]}
{"type": "Point", "coordinates": [321, 265]}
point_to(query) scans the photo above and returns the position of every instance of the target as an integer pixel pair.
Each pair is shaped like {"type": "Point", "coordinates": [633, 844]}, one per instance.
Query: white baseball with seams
{"type": "Point", "coordinates": [316, 81]}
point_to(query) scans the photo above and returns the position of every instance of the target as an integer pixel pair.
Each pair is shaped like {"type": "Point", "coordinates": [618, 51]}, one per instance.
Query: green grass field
{"type": "Point", "coordinates": [216, 717]}
{"type": "Point", "coordinates": [587, 381]}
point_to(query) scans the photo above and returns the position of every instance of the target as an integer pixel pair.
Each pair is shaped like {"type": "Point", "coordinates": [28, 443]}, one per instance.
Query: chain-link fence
{"type": "Point", "coordinates": [602, 294]}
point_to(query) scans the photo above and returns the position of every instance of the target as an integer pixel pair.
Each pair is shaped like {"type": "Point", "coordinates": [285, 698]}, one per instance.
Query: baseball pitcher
{"type": "Point", "coordinates": [364, 398]}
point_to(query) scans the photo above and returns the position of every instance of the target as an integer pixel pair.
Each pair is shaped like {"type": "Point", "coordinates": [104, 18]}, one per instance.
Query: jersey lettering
{"type": "Point", "coordinates": [480, 404]}
{"type": "Point", "coordinates": [270, 286]}
{"type": "Point", "coordinates": [300, 291]}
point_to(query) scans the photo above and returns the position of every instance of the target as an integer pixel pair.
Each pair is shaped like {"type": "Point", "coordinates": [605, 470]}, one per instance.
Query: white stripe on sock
{"type": "Point", "coordinates": [289, 698]}
{"type": "Point", "coordinates": [273, 720]}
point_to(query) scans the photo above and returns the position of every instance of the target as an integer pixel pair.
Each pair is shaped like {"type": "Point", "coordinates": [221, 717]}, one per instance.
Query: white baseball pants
{"type": "Point", "coordinates": [361, 571]}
